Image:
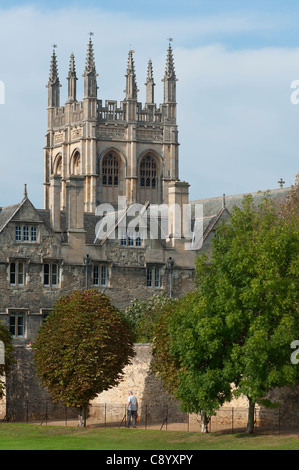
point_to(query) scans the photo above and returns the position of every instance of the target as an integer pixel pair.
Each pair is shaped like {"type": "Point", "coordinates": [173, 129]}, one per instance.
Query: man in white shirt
{"type": "Point", "coordinates": [132, 409]}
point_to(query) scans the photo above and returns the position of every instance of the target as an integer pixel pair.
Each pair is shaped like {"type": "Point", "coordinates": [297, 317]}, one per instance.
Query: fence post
{"type": "Point", "coordinates": [232, 420]}
{"type": "Point", "coordinates": [46, 413]}
{"type": "Point", "coordinates": [145, 417]}
{"type": "Point", "coordinates": [105, 414]}
{"type": "Point", "coordinates": [27, 405]}
{"type": "Point", "coordinates": [278, 421]}
{"type": "Point", "coordinates": [166, 416]}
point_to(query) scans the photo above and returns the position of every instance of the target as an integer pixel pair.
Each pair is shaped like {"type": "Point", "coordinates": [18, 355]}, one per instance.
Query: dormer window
{"type": "Point", "coordinates": [26, 233]}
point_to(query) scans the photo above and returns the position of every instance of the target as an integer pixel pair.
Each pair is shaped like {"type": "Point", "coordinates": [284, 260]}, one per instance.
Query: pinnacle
{"type": "Point", "coordinates": [131, 65]}
{"type": "Point", "coordinates": [72, 69]}
{"type": "Point", "coordinates": [90, 62]}
{"type": "Point", "coordinates": [53, 78]}
{"type": "Point", "coordinates": [150, 75]}
{"type": "Point", "coordinates": [131, 88]}
{"type": "Point", "coordinates": [169, 71]}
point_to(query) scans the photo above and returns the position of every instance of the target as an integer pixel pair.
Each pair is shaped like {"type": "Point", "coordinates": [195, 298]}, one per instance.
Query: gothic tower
{"type": "Point", "coordinates": [110, 149]}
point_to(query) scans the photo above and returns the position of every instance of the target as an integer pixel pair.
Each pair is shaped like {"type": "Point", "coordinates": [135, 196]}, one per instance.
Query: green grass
{"type": "Point", "coordinates": [36, 437]}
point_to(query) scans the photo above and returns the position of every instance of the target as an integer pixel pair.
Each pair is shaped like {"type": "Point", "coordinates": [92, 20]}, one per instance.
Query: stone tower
{"type": "Point", "coordinates": [108, 149]}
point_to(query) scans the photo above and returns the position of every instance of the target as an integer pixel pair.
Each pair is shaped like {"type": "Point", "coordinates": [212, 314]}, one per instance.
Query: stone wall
{"type": "Point", "coordinates": [147, 388]}
{"type": "Point", "coordinates": [110, 406]}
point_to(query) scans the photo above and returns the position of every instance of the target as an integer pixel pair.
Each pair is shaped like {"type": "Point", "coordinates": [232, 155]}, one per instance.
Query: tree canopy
{"type": "Point", "coordinates": [142, 314]}
{"type": "Point", "coordinates": [233, 335]}
{"type": "Point", "coordinates": [82, 348]}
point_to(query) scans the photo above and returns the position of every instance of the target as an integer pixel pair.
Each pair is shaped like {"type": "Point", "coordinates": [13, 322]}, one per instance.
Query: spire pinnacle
{"type": "Point", "coordinates": [169, 70]}
{"type": "Point", "coordinates": [131, 86]}
{"type": "Point", "coordinates": [72, 78]}
{"type": "Point", "coordinates": [150, 84]}
{"type": "Point", "coordinates": [72, 68]}
{"type": "Point", "coordinates": [53, 77]}
{"type": "Point", "coordinates": [53, 83]}
{"type": "Point", "coordinates": [90, 66]}
{"type": "Point", "coordinates": [90, 74]}
{"type": "Point", "coordinates": [150, 74]}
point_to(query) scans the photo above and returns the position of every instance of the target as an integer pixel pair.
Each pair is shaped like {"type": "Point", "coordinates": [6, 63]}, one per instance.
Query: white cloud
{"type": "Point", "coordinates": [237, 125]}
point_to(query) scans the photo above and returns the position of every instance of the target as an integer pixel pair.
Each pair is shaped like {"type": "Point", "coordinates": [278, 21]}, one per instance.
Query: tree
{"type": "Point", "coordinates": [6, 344]}
{"type": "Point", "coordinates": [141, 315]}
{"type": "Point", "coordinates": [237, 329]}
{"type": "Point", "coordinates": [188, 358]}
{"type": "Point", "coordinates": [82, 349]}
{"type": "Point", "coordinates": [251, 284]}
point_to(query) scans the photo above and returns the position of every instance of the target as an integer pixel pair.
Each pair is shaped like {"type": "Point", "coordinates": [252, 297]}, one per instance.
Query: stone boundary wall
{"type": "Point", "coordinates": [24, 392]}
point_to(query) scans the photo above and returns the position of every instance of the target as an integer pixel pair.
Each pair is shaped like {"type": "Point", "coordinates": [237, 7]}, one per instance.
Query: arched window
{"type": "Point", "coordinates": [58, 165]}
{"type": "Point", "coordinates": [76, 163]}
{"type": "Point", "coordinates": [148, 172]}
{"type": "Point", "coordinates": [110, 170]}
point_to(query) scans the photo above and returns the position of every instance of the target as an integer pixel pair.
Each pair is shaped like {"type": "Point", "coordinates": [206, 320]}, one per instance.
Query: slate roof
{"type": "Point", "coordinates": [7, 213]}
{"type": "Point", "coordinates": [213, 209]}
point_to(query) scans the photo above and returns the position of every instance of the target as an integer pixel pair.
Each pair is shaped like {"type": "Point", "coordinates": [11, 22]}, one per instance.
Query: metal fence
{"type": "Point", "coordinates": [230, 420]}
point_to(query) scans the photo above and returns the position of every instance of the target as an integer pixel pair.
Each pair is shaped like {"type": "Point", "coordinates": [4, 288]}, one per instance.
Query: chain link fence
{"type": "Point", "coordinates": [230, 420]}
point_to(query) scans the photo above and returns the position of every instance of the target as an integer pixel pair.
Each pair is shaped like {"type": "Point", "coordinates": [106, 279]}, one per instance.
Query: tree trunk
{"type": "Point", "coordinates": [204, 422]}
{"type": "Point", "coordinates": [82, 417]}
{"type": "Point", "coordinates": [250, 422]}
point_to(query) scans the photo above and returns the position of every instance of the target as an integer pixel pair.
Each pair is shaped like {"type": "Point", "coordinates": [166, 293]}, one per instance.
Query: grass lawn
{"type": "Point", "coordinates": [36, 437]}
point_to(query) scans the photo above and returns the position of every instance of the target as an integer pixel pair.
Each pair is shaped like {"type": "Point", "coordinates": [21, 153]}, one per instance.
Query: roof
{"type": "Point", "coordinates": [7, 213]}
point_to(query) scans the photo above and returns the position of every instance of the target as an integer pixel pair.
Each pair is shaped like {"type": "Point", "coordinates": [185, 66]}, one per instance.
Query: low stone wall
{"type": "Point", "coordinates": [147, 388]}
{"type": "Point", "coordinates": [27, 400]}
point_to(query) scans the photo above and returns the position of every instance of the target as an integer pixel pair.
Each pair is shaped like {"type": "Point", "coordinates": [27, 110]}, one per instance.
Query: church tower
{"type": "Point", "coordinates": [106, 149]}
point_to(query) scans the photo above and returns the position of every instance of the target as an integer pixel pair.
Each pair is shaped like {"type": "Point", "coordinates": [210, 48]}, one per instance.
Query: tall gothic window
{"type": "Point", "coordinates": [76, 164]}
{"type": "Point", "coordinates": [148, 172]}
{"type": "Point", "coordinates": [110, 169]}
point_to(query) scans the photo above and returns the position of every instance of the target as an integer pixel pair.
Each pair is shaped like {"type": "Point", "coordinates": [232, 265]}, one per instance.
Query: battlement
{"type": "Point", "coordinates": [97, 110]}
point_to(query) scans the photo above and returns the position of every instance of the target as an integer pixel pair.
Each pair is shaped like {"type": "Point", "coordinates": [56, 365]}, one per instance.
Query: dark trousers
{"type": "Point", "coordinates": [132, 413]}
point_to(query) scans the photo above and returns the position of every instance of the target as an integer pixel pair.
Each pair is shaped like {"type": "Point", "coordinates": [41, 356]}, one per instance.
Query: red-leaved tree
{"type": "Point", "coordinates": [82, 349]}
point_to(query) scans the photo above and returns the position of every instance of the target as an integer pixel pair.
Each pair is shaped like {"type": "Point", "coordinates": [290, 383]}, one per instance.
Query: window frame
{"type": "Point", "coordinates": [131, 239]}
{"type": "Point", "coordinates": [15, 328]}
{"type": "Point", "coordinates": [100, 275]}
{"type": "Point", "coordinates": [110, 170]}
{"type": "Point", "coordinates": [51, 274]}
{"type": "Point", "coordinates": [26, 233]}
{"type": "Point", "coordinates": [153, 277]}
{"type": "Point", "coordinates": [17, 277]}
{"type": "Point", "coordinates": [148, 172]}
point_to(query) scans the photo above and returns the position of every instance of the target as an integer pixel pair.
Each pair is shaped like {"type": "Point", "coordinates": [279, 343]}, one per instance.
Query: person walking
{"type": "Point", "coordinates": [132, 409]}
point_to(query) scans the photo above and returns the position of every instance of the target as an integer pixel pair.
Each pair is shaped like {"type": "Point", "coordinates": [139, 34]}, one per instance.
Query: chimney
{"type": "Point", "coordinates": [178, 196]}
{"type": "Point", "coordinates": [75, 203]}
{"type": "Point", "coordinates": [55, 188]}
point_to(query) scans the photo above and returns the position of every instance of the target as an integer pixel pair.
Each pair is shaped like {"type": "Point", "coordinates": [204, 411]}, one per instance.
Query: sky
{"type": "Point", "coordinates": [235, 63]}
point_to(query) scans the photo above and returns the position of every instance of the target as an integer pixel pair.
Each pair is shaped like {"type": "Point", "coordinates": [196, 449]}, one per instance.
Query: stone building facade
{"type": "Point", "coordinates": [116, 216]}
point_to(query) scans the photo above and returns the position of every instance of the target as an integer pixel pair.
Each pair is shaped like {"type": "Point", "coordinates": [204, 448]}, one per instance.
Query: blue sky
{"type": "Point", "coordinates": [235, 62]}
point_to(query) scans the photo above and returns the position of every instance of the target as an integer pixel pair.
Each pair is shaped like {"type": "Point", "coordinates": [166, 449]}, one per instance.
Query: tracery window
{"type": "Point", "coordinates": [110, 170]}
{"type": "Point", "coordinates": [148, 172]}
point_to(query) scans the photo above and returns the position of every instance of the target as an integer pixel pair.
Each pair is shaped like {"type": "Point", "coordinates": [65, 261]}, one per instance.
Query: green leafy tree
{"type": "Point", "coordinates": [239, 326]}
{"type": "Point", "coordinates": [7, 360]}
{"type": "Point", "coordinates": [188, 358]}
{"type": "Point", "coordinates": [141, 315]}
{"type": "Point", "coordinates": [82, 349]}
